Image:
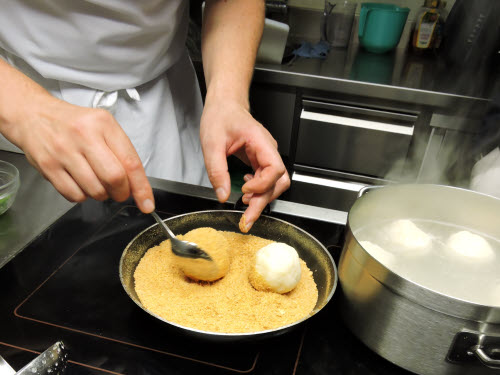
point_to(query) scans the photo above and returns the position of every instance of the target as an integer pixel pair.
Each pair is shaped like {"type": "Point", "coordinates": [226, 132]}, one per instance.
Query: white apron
{"type": "Point", "coordinates": [126, 56]}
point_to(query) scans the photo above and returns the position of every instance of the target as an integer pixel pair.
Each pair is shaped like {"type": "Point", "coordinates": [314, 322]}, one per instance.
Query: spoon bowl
{"type": "Point", "coordinates": [181, 248]}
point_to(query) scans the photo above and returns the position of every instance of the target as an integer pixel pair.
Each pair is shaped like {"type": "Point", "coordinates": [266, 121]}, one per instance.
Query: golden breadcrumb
{"type": "Point", "coordinates": [228, 305]}
{"type": "Point", "coordinates": [257, 281]}
{"type": "Point", "coordinates": [243, 224]}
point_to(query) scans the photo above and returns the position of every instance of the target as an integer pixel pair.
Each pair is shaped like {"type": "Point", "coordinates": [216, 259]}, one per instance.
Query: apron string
{"type": "Point", "coordinates": [107, 100]}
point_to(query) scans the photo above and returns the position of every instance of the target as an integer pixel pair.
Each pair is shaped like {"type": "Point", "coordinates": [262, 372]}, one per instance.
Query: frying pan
{"type": "Point", "coordinates": [316, 256]}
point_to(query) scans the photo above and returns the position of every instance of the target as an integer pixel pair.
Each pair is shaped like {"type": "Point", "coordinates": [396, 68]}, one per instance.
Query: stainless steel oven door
{"type": "Point", "coordinates": [352, 139]}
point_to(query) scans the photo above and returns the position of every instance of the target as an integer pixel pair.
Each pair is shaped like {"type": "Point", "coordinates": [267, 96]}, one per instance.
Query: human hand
{"type": "Point", "coordinates": [227, 128]}
{"type": "Point", "coordinates": [83, 152]}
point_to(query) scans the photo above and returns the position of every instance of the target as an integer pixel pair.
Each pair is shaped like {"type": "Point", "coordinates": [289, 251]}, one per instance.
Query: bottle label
{"type": "Point", "coordinates": [426, 28]}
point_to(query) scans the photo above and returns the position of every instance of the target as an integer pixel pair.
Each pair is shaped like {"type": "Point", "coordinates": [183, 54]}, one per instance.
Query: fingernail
{"type": "Point", "coordinates": [221, 194]}
{"type": "Point", "coordinates": [243, 224]}
{"type": "Point", "coordinates": [248, 226]}
{"type": "Point", "coordinates": [148, 205]}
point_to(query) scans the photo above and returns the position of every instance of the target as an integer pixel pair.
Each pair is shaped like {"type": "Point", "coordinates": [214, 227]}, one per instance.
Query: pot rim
{"type": "Point", "coordinates": [420, 294]}
{"type": "Point", "coordinates": [242, 335]}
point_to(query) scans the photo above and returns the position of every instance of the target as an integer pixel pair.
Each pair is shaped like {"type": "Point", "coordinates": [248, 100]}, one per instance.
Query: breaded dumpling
{"type": "Point", "coordinates": [215, 245]}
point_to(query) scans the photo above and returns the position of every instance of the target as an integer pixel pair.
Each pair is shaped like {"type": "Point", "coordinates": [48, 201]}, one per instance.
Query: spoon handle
{"type": "Point", "coordinates": [160, 222]}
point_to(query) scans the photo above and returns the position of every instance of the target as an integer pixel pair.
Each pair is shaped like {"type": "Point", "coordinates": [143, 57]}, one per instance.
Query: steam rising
{"type": "Point", "coordinates": [462, 143]}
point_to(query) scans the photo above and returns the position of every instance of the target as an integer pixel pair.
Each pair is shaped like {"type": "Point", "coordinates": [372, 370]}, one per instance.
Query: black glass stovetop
{"type": "Point", "coordinates": [65, 286]}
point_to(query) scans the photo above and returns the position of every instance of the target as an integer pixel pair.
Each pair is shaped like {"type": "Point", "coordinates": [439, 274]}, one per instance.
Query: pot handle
{"type": "Point", "coordinates": [470, 346]}
{"type": "Point", "coordinates": [485, 358]}
{"type": "Point", "coordinates": [366, 189]}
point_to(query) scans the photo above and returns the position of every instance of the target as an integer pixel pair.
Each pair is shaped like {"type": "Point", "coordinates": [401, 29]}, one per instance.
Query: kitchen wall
{"type": "Point", "coordinates": [414, 5]}
{"type": "Point", "coordinates": [305, 17]}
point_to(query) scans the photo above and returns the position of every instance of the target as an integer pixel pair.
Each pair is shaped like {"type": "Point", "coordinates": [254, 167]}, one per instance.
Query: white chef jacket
{"type": "Point", "coordinates": [127, 56]}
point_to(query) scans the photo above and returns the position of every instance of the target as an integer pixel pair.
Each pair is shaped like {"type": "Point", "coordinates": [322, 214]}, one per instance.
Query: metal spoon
{"type": "Point", "coordinates": [180, 248]}
{"type": "Point", "coordinates": [51, 362]}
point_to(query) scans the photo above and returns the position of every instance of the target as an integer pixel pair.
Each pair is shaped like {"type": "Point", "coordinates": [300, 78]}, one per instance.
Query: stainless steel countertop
{"type": "Point", "coordinates": [400, 76]}
{"type": "Point", "coordinates": [38, 205]}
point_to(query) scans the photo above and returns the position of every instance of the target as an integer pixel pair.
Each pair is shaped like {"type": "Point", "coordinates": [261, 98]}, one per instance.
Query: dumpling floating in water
{"type": "Point", "coordinates": [470, 246]}
{"type": "Point", "coordinates": [406, 234]}
{"type": "Point", "coordinates": [276, 269]}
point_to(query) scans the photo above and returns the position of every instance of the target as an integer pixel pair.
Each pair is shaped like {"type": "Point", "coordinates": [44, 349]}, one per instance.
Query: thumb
{"type": "Point", "coordinates": [216, 164]}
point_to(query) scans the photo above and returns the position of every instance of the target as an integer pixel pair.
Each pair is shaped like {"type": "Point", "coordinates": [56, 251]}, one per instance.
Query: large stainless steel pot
{"type": "Point", "coordinates": [316, 256]}
{"type": "Point", "coordinates": [423, 331]}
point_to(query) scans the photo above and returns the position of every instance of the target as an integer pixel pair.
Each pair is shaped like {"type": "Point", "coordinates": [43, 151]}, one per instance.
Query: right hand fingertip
{"type": "Point", "coordinates": [247, 177]}
{"type": "Point", "coordinates": [222, 194]}
{"type": "Point", "coordinates": [244, 225]}
{"type": "Point", "coordinates": [147, 206]}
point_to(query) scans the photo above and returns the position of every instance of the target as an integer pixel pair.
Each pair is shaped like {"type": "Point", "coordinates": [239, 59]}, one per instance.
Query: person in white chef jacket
{"type": "Point", "coordinates": [100, 93]}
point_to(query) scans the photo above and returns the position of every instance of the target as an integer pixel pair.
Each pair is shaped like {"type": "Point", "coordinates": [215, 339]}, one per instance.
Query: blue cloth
{"type": "Point", "coordinates": [313, 51]}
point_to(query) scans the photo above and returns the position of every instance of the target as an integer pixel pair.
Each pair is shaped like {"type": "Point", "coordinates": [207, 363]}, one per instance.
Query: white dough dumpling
{"type": "Point", "coordinates": [276, 269]}
{"type": "Point", "coordinates": [405, 233]}
{"type": "Point", "coordinates": [383, 256]}
{"type": "Point", "coordinates": [470, 246]}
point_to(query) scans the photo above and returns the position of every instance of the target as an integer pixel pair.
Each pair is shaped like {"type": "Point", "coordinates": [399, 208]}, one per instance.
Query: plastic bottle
{"type": "Point", "coordinates": [428, 26]}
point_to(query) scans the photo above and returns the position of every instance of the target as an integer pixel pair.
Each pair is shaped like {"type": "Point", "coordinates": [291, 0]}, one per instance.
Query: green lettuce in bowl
{"type": "Point", "coordinates": [9, 185]}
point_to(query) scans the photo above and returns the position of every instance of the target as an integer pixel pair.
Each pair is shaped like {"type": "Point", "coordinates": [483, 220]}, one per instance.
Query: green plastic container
{"type": "Point", "coordinates": [381, 26]}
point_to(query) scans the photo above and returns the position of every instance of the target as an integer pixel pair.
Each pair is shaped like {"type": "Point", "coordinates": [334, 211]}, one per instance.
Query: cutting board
{"type": "Point", "coordinates": [272, 45]}
{"type": "Point", "coordinates": [273, 42]}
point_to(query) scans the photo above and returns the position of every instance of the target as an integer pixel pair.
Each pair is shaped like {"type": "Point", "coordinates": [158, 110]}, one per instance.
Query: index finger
{"type": "Point", "coordinates": [255, 207]}
{"type": "Point", "coordinates": [141, 190]}
{"type": "Point", "coordinates": [217, 169]}
{"type": "Point", "coordinates": [257, 202]}
{"type": "Point", "coordinates": [269, 171]}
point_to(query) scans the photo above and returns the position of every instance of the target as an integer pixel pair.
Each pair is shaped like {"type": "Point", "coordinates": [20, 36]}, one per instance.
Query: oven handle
{"type": "Point", "coordinates": [356, 123]}
{"type": "Point", "coordinates": [313, 106]}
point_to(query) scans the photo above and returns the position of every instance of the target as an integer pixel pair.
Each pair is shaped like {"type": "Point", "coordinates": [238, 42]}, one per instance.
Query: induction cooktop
{"type": "Point", "coordinates": [65, 286]}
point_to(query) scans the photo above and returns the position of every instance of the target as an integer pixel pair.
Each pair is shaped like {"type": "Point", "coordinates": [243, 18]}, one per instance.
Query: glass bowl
{"type": "Point", "coordinates": [9, 185]}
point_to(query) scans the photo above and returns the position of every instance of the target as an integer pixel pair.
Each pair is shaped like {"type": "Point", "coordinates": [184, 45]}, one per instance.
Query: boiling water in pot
{"type": "Point", "coordinates": [446, 258]}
